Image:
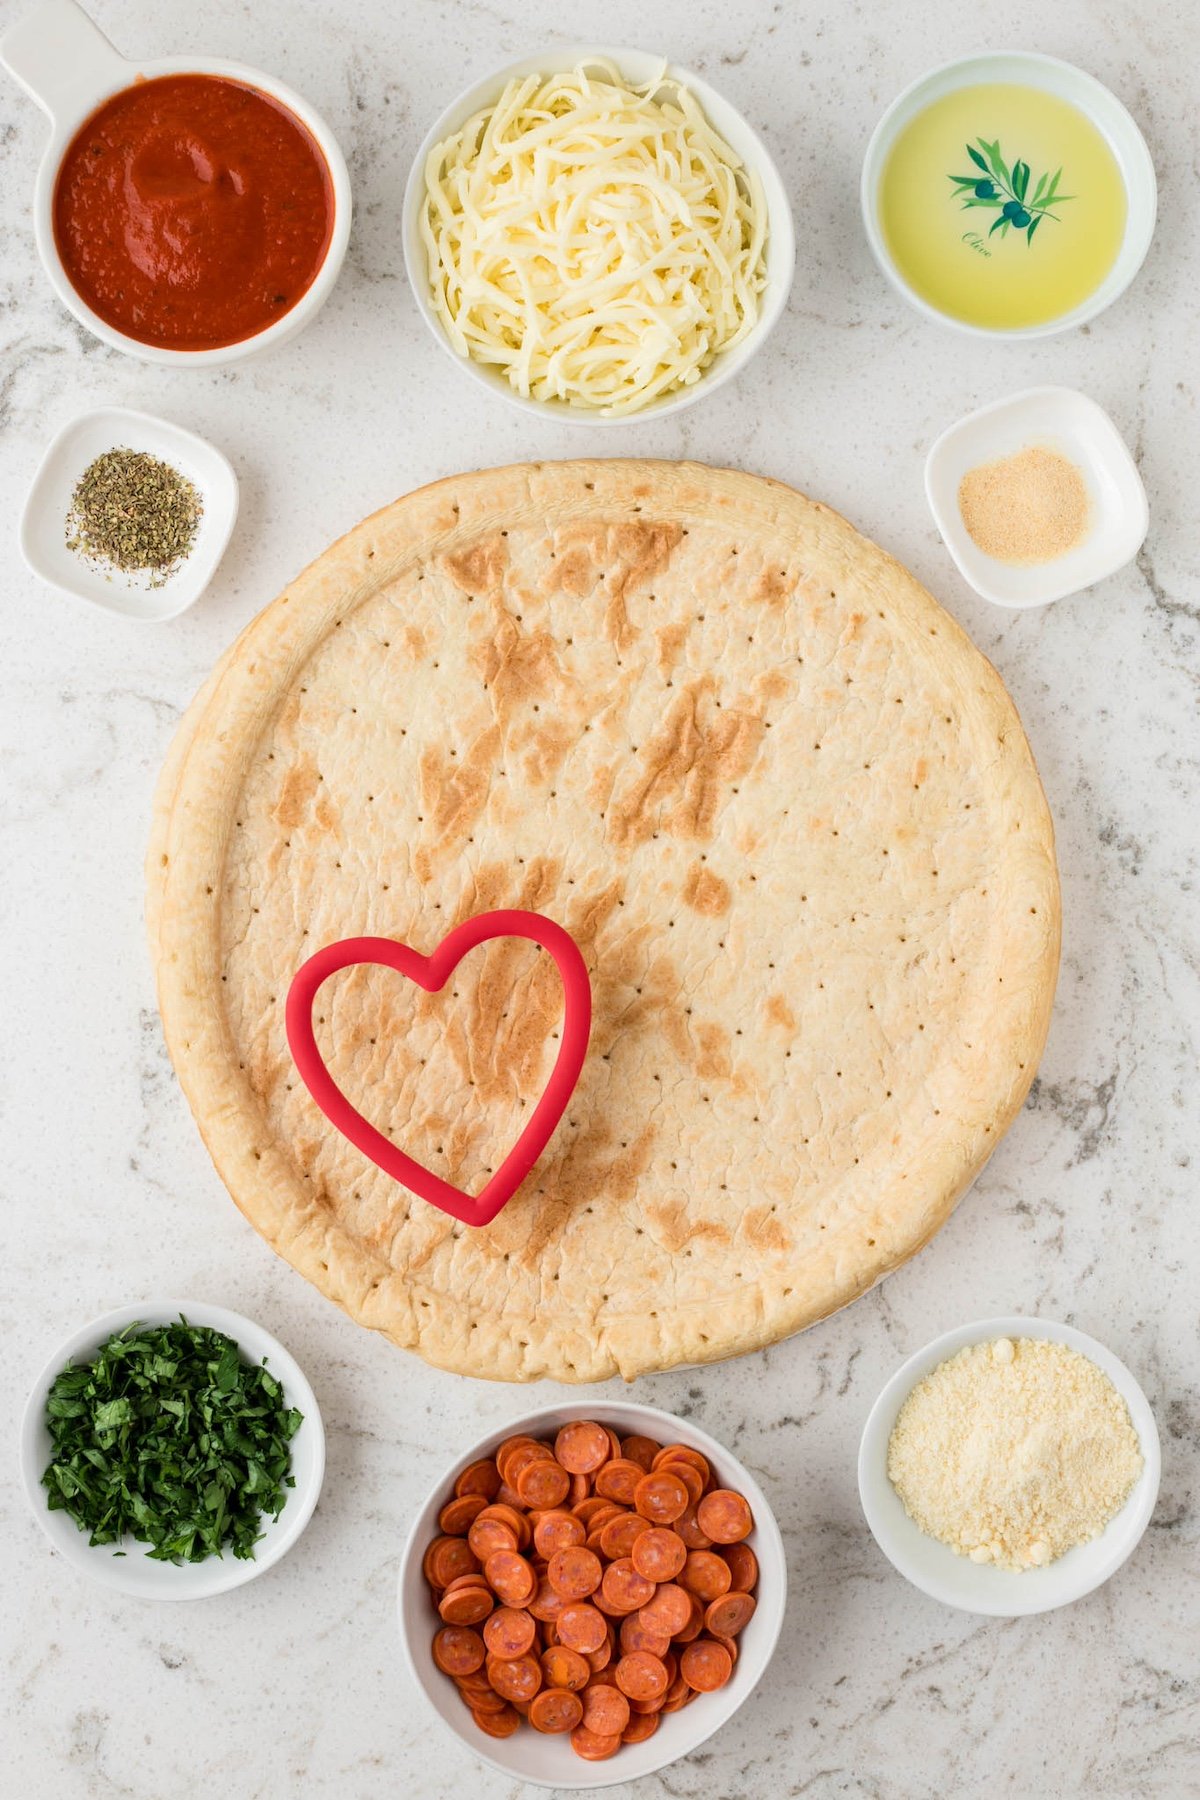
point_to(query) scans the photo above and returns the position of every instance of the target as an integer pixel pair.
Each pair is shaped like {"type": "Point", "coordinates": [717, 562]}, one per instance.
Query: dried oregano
{"type": "Point", "coordinates": [132, 511]}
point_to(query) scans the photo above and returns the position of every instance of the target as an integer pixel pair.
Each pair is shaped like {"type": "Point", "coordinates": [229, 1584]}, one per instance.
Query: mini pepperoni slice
{"type": "Point", "coordinates": [555, 1709]}
{"type": "Point", "coordinates": [509, 1632]}
{"type": "Point", "coordinates": [706, 1574]}
{"type": "Point", "coordinates": [457, 1516]}
{"type": "Point", "coordinates": [624, 1588]}
{"type": "Point", "coordinates": [453, 1556]}
{"type": "Point", "coordinates": [599, 1659]}
{"type": "Point", "coordinates": [640, 1727]}
{"type": "Point", "coordinates": [641, 1450]}
{"type": "Point", "coordinates": [691, 1478]}
{"type": "Point", "coordinates": [582, 1446]}
{"type": "Point", "coordinates": [582, 1628]}
{"type": "Point", "coordinates": [641, 1676]}
{"type": "Point", "coordinates": [482, 1477]}
{"type": "Point", "coordinates": [706, 1665]}
{"type": "Point", "coordinates": [557, 1530]}
{"type": "Point", "coordinates": [619, 1535]}
{"type": "Point", "coordinates": [545, 1605]}
{"type": "Point", "coordinates": [659, 1554]}
{"type": "Point", "coordinates": [670, 1610]}
{"type": "Point", "coordinates": [507, 1496]}
{"type": "Point", "coordinates": [592, 1745]}
{"type": "Point", "coordinates": [515, 1517]}
{"type": "Point", "coordinates": [581, 1487]}
{"type": "Point", "coordinates": [466, 1605]}
{"type": "Point", "coordinates": [605, 1708]}
{"type": "Point", "coordinates": [427, 1561]}
{"type": "Point", "coordinates": [500, 1724]}
{"type": "Point", "coordinates": [683, 1453]}
{"type": "Point", "coordinates": [574, 1572]}
{"type": "Point", "coordinates": [488, 1536]}
{"type": "Point", "coordinates": [457, 1650]}
{"type": "Point", "coordinates": [563, 1668]}
{"type": "Point", "coordinates": [725, 1516]}
{"type": "Point", "coordinates": [677, 1695]}
{"type": "Point", "coordinates": [661, 1497]}
{"type": "Point", "coordinates": [515, 1678]}
{"type": "Point", "coordinates": [511, 1578]}
{"type": "Point", "coordinates": [543, 1483]}
{"type": "Point", "coordinates": [690, 1531]}
{"type": "Point", "coordinates": [729, 1614]}
{"type": "Point", "coordinates": [618, 1480]}
{"type": "Point", "coordinates": [695, 1624]}
{"type": "Point", "coordinates": [503, 1451]}
{"type": "Point", "coordinates": [635, 1635]}
{"type": "Point", "coordinates": [743, 1566]}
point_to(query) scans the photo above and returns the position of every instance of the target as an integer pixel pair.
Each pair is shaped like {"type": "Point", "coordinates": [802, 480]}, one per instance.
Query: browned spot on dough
{"type": "Point", "coordinates": [921, 771]}
{"type": "Point", "coordinates": [299, 786]}
{"type": "Point", "coordinates": [414, 641]}
{"type": "Point", "coordinates": [518, 666]}
{"type": "Point", "coordinates": [678, 1225]}
{"type": "Point", "coordinates": [705, 892]}
{"type": "Point", "coordinates": [480, 567]}
{"type": "Point", "coordinates": [626, 552]}
{"type": "Point", "coordinates": [543, 750]}
{"type": "Point", "coordinates": [774, 586]}
{"type": "Point", "coordinates": [681, 777]}
{"type": "Point", "coordinates": [454, 789]}
{"type": "Point", "coordinates": [762, 1229]}
{"type": "Point", "coordinates": [671, 639]}
{"type": "Point", "coordinates": [773, 685]}
{"type": "Point", "coordinates": [587, 1166]}
{"type": "Point", "coordinates": [780, 1013]}
{"type": "Point", "coordinates": [712, 1062]}
{"type": "Point", "coordinates": [853, 628]}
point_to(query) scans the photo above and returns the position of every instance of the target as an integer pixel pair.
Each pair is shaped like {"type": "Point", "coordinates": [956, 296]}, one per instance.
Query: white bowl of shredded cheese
{"type": "Point", "coordinates": [597, 235]}
{"type": "Point", "coordinates": [1009, 1439]}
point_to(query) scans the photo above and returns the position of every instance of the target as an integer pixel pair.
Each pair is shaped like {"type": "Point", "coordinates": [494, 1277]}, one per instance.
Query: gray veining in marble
{"type": "Point", "coordinates": [1088, 1212]}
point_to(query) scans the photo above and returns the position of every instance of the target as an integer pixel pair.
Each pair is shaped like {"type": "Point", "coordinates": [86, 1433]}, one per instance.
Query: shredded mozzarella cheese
{"type": "Point", "coordinates": [597, 242]}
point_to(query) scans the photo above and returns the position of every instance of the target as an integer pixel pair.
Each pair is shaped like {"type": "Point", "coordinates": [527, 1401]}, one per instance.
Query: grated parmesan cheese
{"type": "Point", "coordinates": [1014, 1452]}
{"type": "Point", "coordinates": [597, 242]}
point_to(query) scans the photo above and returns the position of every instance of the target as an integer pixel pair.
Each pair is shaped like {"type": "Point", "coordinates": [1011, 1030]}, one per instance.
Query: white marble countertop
{"type": "Point", "coordinates": [293, 1685]}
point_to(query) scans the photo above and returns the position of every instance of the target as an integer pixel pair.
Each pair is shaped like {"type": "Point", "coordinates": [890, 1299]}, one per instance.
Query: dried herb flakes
{"type": "Point", "coordinates": [131, 511]}
{"type": "Point", "coordinates": [168, 1434]}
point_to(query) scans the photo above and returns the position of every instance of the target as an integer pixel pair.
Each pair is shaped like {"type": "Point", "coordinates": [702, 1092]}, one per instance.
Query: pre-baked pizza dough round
{"type": "Point", "coordinates": [783, 804]}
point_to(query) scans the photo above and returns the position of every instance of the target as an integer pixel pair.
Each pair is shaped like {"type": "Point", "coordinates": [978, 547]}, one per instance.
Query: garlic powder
{"type": "Point", "coordinates": [1012, 1452]}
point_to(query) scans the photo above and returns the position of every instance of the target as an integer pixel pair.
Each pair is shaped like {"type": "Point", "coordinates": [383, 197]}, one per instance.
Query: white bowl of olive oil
{"type": "Point", "coordinates": [1009, 195]}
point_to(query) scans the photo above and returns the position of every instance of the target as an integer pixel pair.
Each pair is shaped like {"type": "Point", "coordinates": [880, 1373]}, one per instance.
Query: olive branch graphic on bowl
{"type": "Point", "coordinates": [1006, 191]}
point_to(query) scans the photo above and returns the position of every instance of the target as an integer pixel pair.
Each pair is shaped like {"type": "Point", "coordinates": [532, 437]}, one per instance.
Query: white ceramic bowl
{"type": "Point", "coordinates": [983, 1588]}
{"type": "Point", "coordinates": [1054, 418]}
{"type": "Point", "coordinates": [1088, 96]}
{"type": "Point", "coordinates": [549, 1761]}
{"type": "Point", "coordinates": [637, 66]}
{"type": "Point", "coordinates": [134, 1572]}
{"type": "Point", "coordinates": [70, 68]}
{"type": "Point", "coordinates": [43, 534]}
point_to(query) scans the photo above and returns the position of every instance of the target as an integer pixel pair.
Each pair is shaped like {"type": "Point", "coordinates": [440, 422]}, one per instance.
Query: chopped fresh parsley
{"type": "Point", "coordinates": [169, 1435]}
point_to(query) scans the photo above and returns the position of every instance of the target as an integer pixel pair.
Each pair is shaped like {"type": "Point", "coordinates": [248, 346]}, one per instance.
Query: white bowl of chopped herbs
{"type": "Point", "coordinates": [172, 1449]}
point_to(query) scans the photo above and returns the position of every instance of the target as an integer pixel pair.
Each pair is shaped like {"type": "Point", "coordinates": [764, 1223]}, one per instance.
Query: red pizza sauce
{"type": "Point", "coordinates": [192, 212]}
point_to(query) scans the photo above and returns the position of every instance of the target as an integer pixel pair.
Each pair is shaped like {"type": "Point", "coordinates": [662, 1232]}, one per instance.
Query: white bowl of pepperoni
{"type": "Point", "coordinates": [590, 1592]}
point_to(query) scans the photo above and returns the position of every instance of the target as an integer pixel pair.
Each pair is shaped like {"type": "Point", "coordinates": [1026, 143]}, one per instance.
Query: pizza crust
{"type": "Point", "coordinates": [784, 805]}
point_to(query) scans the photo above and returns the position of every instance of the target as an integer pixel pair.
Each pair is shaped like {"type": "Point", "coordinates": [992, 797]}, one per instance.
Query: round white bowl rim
{"type": "Point", "coordinates": [1130, 1522]}
{"type": "Point", "coordinates": [780, 230]}
{"type": "Point", "coordinates": [132, 70]}
{"type": "Point", "coordinates": [1138, 233]}
{"type": "Point", "coordinates": [638, 1415]}
{"type": "Point", "coordinates": [225, 1572]}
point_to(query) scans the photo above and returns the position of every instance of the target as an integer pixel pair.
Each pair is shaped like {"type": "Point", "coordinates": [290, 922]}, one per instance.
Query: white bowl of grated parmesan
{"type": "Point", "coordinates": [1009, 1467]}
{"type": "Point", "coordinates": [597, 235]}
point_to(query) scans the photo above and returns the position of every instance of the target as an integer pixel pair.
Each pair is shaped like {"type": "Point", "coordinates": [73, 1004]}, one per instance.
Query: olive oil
{"type": "Point", "coordinates": [1002, 206]}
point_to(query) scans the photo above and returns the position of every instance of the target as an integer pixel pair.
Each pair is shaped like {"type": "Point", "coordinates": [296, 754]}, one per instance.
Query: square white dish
{"type": "Point", "coordinates": [1053, 418]}
{"type": "Point", "coordinates": [129, 593]}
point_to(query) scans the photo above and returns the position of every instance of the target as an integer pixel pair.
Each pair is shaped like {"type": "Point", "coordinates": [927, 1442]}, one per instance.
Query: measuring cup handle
{"type": "Point", "coordinates": [62, 59]}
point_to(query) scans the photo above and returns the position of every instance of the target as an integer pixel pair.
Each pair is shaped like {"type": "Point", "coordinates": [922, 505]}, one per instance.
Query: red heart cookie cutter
{"type": "Point", "coordinates": [432, 973]}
